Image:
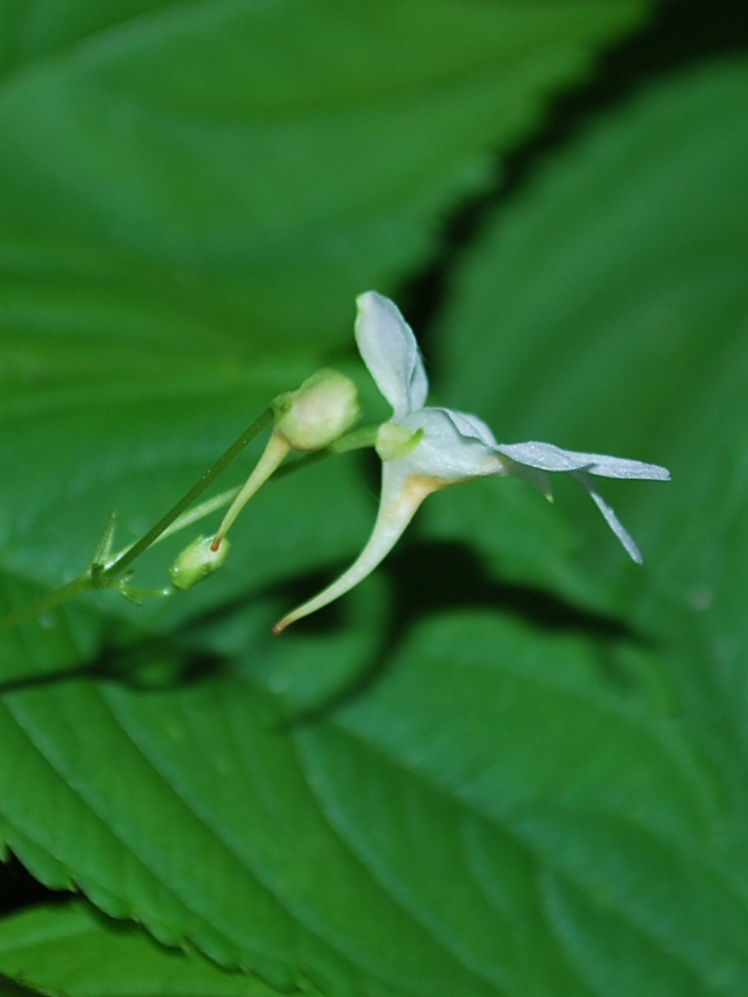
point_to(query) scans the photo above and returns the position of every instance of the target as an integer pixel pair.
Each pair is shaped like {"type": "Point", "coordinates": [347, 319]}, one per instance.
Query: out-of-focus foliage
{"type": "Point", "coordinates": [72, 950]}
{"type": "Point", "coordinates": [607, 308]}
{"type": "Point", "coordinates": [255, 165]}
{"type": "Point", "coordinates": [191, 194]}
{"type": "Point", "coordinates": [519, 770]}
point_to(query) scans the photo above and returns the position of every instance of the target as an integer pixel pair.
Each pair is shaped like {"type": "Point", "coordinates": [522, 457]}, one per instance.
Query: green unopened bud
{"type": "Point", "coordinates": [319, 412]}
{"type": "Point", "coordinates": [197, 562]}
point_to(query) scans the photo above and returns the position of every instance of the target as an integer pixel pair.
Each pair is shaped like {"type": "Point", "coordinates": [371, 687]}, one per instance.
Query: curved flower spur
{"type": "Point", "coordinates": [425, 449]}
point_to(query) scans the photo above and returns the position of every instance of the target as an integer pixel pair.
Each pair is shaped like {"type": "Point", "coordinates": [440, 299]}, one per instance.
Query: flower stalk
{"type": "Point", "coordinates": [308, 419]}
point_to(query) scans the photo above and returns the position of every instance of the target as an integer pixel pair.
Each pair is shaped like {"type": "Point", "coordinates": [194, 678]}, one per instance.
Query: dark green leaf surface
{"type": "Point", "coordinates": [570, 800]}
{"type": "Point", "coordinates": [605, 310]}
{"type": "Point", "coordinates": [608, 310]}
{"type": "Point", "coordinates": [72, 952]}
{"type": "Point", "coordinates": [191, 194]}
{"type": "Point", "coordinates": [10, 989]}
{"type": "Point", "coordinates": [448, 833]}
{"type": "Point", "coordinates": [275, 158]}
{"type": "Point", "coordinates": [504, 807]}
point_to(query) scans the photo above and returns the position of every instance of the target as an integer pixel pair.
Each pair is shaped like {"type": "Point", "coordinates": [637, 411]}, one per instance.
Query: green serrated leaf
{"type": "Point", "coordinates": [493, 792]}
{"type": "Point", "coordinates": [552, 767]}
{"type": "Point", "coordinates": [72, 951]}
{"type": "Point", "coordinates": [607, 309]}
{"type": "Point", "coordinates": [602, 308]}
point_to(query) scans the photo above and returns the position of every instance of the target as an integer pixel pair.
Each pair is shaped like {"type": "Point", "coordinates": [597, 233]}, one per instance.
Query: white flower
{"type": "Point", "coordinates": [425, 449]}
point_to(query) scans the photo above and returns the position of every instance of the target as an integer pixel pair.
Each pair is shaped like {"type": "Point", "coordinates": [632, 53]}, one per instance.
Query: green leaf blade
{"type": "Point", "coordinates": [73, 951]}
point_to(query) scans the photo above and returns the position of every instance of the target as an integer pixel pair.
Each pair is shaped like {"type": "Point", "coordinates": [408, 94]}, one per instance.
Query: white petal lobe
{"type": "Point", "coordinates": [610, 517]}
{"type": "Point", "coordinates": [445, 453]}
{"type": "Point", "coordinates": [389, 349]}
{"type": "Point", "coordinates": [470, 426]}
{"type": "Point", "coordinates": [401, 497]}
{"type": "Point", "coordinates": [547, 457]}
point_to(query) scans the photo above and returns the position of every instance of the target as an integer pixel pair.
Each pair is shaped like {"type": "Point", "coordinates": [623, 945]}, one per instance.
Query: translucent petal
{"type": "Point", "coordinates": [470, 426]}
{"type": "Point", "coordinates": [444, 452]}
{"type": "Point", "coordinates": [389, 349]}
{"type": "Point", "coordinates": [610, 517]}
{"type": "Point", "coordinates": [547, 457]}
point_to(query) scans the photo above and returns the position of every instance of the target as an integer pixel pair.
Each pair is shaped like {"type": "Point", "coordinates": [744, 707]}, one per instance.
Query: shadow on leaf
{"type": "Point", "coordinates": [429, 578]}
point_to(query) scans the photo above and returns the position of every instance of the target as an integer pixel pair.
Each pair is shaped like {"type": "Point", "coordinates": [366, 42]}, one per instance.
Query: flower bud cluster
{"type": "Point", "coordinates": [308, 419]}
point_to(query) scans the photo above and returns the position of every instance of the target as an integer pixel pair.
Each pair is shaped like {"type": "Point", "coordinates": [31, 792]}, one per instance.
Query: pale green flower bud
{"type": "Point", "coordinates": [197, 562]}
{"type": "Point", "coordinates": [395, 441]}
{"type": "Point", "coordinates": [319, 412]}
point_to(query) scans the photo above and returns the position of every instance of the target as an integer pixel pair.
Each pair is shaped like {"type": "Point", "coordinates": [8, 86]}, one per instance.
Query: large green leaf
{"type": "Point", "coordinates": [276, 157]}
{"type": "Point", "coordinates": [540, 815]}
{"type": "Point", "coordinates": [605, 310]}
{"type": "Point", "coordinates": [494, 817]}
{"type": "Point", "coordinates": [190, 196]}
{"type": "Point", "coordinates": [608, 310]}
{"type": "Point", "coordinates": [501, 809]}
{"type": "Point", "coordinates": [72, 952]}
{"type": "Point", "coordinates": [193, 813]}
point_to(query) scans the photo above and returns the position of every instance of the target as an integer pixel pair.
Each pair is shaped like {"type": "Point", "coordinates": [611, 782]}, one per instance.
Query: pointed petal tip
{"type": "Point", "coordinates": [621, 467]}
{"type": "Point", "coordinates": [365, 297]}
{"type": "Point", "coordinates": [651, 472]}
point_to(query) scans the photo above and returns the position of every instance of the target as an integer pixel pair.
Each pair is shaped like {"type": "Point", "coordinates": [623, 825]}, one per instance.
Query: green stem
{"type": "Point", "coordinates": [98, 577]}
{"type": "Point", "coordinates": [201, 511]}
{"type": "Point", "coordinates": [188, 518]}
{"type": "Point", "coordinates": [176, 510]}
{"type": "Point", "coordinates": [357, 440]}
{"type": "Point", "coordinates": [177, 518]}
{"type": "Point", "coordinates": [365, 437]}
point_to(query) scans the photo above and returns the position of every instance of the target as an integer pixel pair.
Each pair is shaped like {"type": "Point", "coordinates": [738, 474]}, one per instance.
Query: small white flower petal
{"type": "Point", "coordinates": [471, 427]}
{"type": "Point", "coordinates": [401, 496]}
{"type": "Point", "coordinates": [611, 519]}
{"type": "Point", "coordinates": [389, 349]}
{"type": "Point", "coordinates": [444, 452]}
{"type": "Point", "coordinates": [547, 457]}
{"type": "Point", "coordinates": [539, 479]}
